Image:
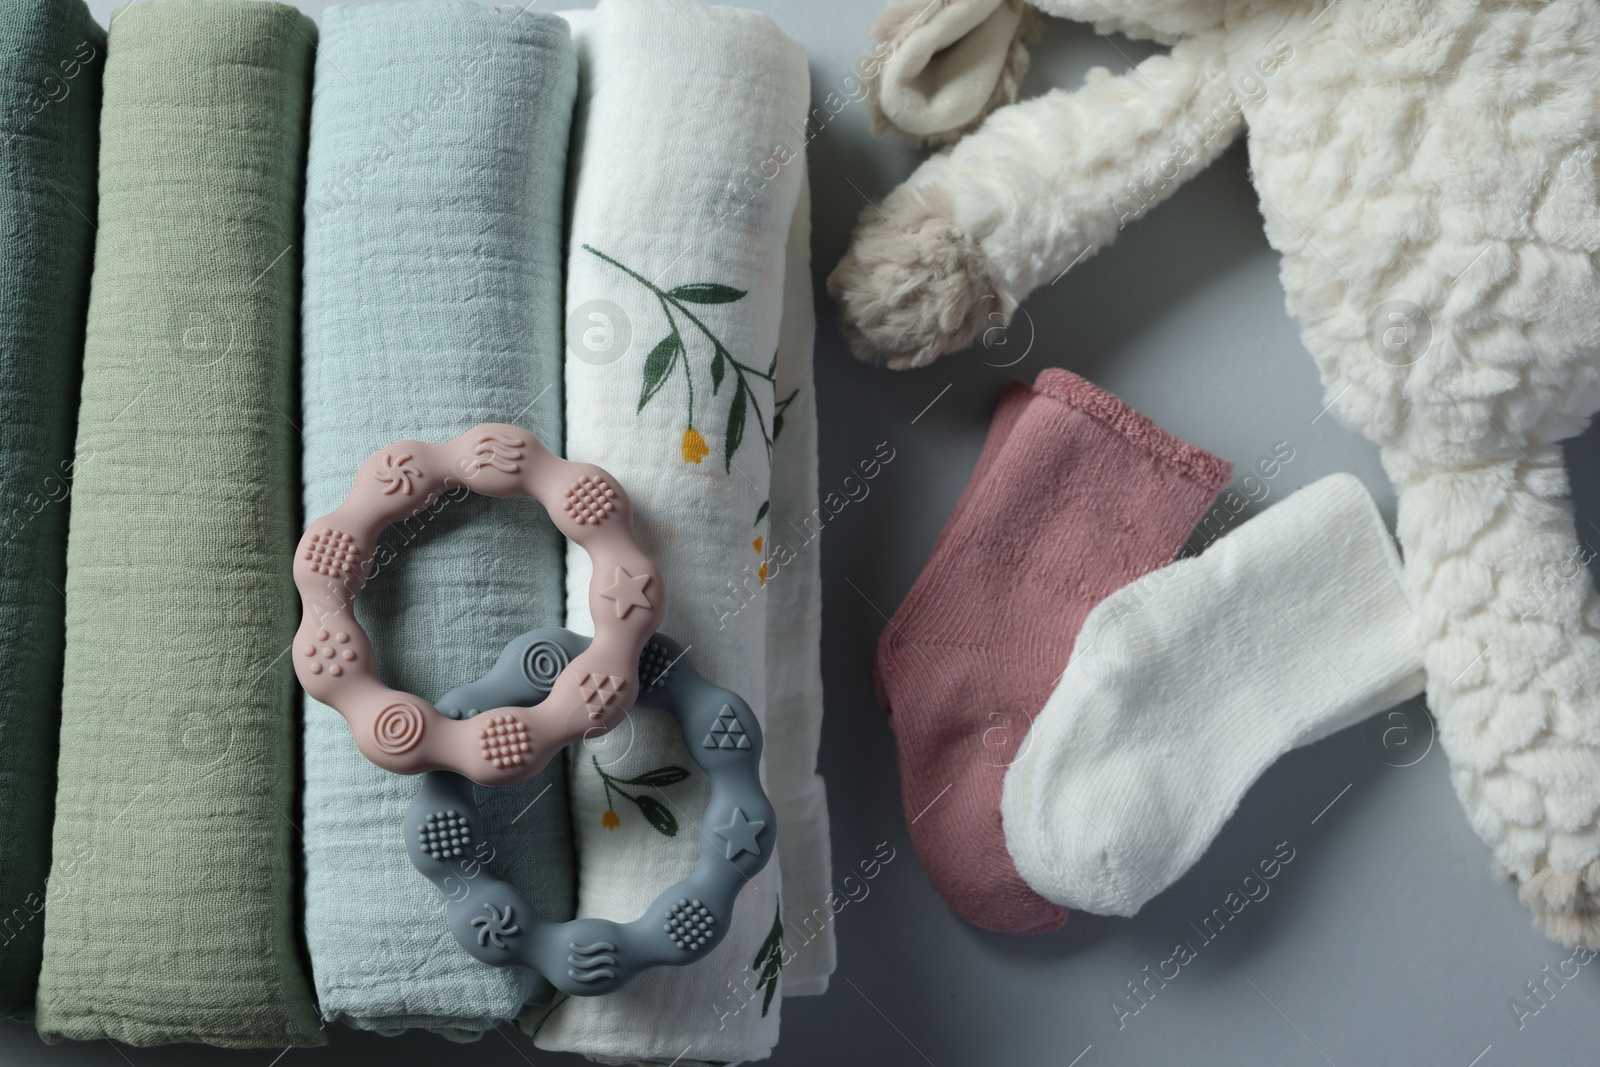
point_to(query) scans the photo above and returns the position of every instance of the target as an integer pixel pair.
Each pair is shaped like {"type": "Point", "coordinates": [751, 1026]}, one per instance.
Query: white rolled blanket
{"type": "Point", "coordinates": [793, 550]}
{"type": "Point", "coordinates": [688, 169]}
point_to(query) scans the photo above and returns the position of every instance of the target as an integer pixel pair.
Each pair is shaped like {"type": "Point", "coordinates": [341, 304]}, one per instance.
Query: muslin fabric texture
{"type": "Point", "coordinates": [688, 172]}
{"type": "Point", "coordinates": [52, 55]}
{"type": "Point", "coordinates": [433, 302]}
{"type": "Point", "coordinates": [793, 551]}
{"type": "Point", "coordinates": [173, 874]}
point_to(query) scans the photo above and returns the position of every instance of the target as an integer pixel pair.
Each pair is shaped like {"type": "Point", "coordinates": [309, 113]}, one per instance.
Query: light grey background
{"type": "Point", "coordinates": [1385, 941]}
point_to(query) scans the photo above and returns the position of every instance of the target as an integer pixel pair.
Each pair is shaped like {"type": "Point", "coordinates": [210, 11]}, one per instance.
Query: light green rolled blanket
{"type": "Point", "coordinates": [51, 57]}
{"type": "Point", "coordinates": [433, 302]}
{"type": "Point", "coordinates": [173, 878]}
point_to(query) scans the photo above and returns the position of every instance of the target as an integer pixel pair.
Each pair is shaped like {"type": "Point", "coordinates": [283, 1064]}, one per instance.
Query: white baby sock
{"type": "Point", "coordinates": [1186, 685]}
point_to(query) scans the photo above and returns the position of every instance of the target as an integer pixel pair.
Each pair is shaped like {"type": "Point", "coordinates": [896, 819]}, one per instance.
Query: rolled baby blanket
{"type": "Point", "coordinates": [51, 58]}
{"type": "Point", "coordinates": [793, 560]}
{"type": "Point", "coordinates": [432, 304]}
{"type": "Point", "coordinates": [172, 880]}
{"type": "Point", "coordinates": [675, 292]}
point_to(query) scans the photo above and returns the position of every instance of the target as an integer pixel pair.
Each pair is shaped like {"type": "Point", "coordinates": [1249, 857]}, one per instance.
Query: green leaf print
{"type": "Point", "coordinates": [672, 352]}
{"type": "Point", "coordinates": [655, 813]}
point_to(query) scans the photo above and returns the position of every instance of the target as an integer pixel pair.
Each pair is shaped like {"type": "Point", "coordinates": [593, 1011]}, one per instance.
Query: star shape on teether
{"type": "Point", "coordinates": [628, 591]}
{"type": "Point", "coordinates": [740, 835]}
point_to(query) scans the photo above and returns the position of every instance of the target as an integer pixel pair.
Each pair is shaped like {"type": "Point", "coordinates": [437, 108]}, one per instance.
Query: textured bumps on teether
{"type": "Point", "coordinates": [444, 835]}
{"type": "Point", "coordinates": [655, 666]}
{"type": "Point", "coordinates": [590, 500]}
{"type": "Point", "coordinates": [328, 652]}
{"type": "Point", "coordinates": [332, 552]}
{"type": "Point", "coordinates": [505, 741]}
{"type": "Point", "coordinates": [689, 924]}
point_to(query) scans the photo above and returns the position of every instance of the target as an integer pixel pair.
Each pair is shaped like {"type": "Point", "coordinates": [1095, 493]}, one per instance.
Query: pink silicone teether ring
{"type": "Point", "coordinates": [403, 733]}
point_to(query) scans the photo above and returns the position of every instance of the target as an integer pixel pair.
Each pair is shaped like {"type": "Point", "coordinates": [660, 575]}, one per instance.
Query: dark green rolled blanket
{"type": "Point", "coordinates": [51, 57]}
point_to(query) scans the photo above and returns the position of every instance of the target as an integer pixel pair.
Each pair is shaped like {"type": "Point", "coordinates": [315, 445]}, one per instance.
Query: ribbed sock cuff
{"type": "Point", "coordinates": [1212, 472]}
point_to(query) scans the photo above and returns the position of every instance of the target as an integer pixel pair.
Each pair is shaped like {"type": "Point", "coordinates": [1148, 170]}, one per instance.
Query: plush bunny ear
{"type": "Point", "coordinates": [942, 65]}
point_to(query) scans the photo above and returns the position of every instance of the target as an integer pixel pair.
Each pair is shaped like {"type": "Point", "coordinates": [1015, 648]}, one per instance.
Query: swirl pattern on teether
{"type": "Point", "coordinates": [588, 693]}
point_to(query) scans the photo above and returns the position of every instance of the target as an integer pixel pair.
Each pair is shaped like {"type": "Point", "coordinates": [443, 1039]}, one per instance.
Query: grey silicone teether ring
{"type": "Point", "coordinates": [445, 834]}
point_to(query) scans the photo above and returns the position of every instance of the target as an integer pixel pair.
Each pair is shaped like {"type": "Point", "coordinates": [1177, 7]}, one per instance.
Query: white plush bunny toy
{"type": "Point", "coordinates": [1427, 169]}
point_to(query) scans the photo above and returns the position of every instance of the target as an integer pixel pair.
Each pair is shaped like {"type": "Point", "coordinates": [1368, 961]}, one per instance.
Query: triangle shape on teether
{"type": "Point", "coordinates": [709, 742]}
{"type": "Point", "coordinates": [586, 692]}
{"type": "Point", "coordinates": [744, 742]}
{"type": "Point", "coordinates": [726, 742]}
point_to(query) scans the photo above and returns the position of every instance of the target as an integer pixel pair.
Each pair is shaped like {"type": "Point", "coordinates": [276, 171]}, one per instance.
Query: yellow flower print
{"type": "Point", "coordinates": [655, 813]}
{"type": "Point", "coordinates": [694, 446]}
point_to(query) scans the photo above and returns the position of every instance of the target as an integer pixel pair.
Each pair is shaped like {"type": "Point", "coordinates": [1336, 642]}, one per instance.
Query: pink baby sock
{"type": "Point", "coordinates": [1075, 495]}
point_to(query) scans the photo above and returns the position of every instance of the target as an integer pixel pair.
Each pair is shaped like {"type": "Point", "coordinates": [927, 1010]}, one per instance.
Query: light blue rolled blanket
{"type": "Point", "coordinates": [433, 302]}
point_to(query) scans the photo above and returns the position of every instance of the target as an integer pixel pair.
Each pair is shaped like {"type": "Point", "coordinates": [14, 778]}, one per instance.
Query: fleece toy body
{"type": "Point", "coordinates": [1428, 172]}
